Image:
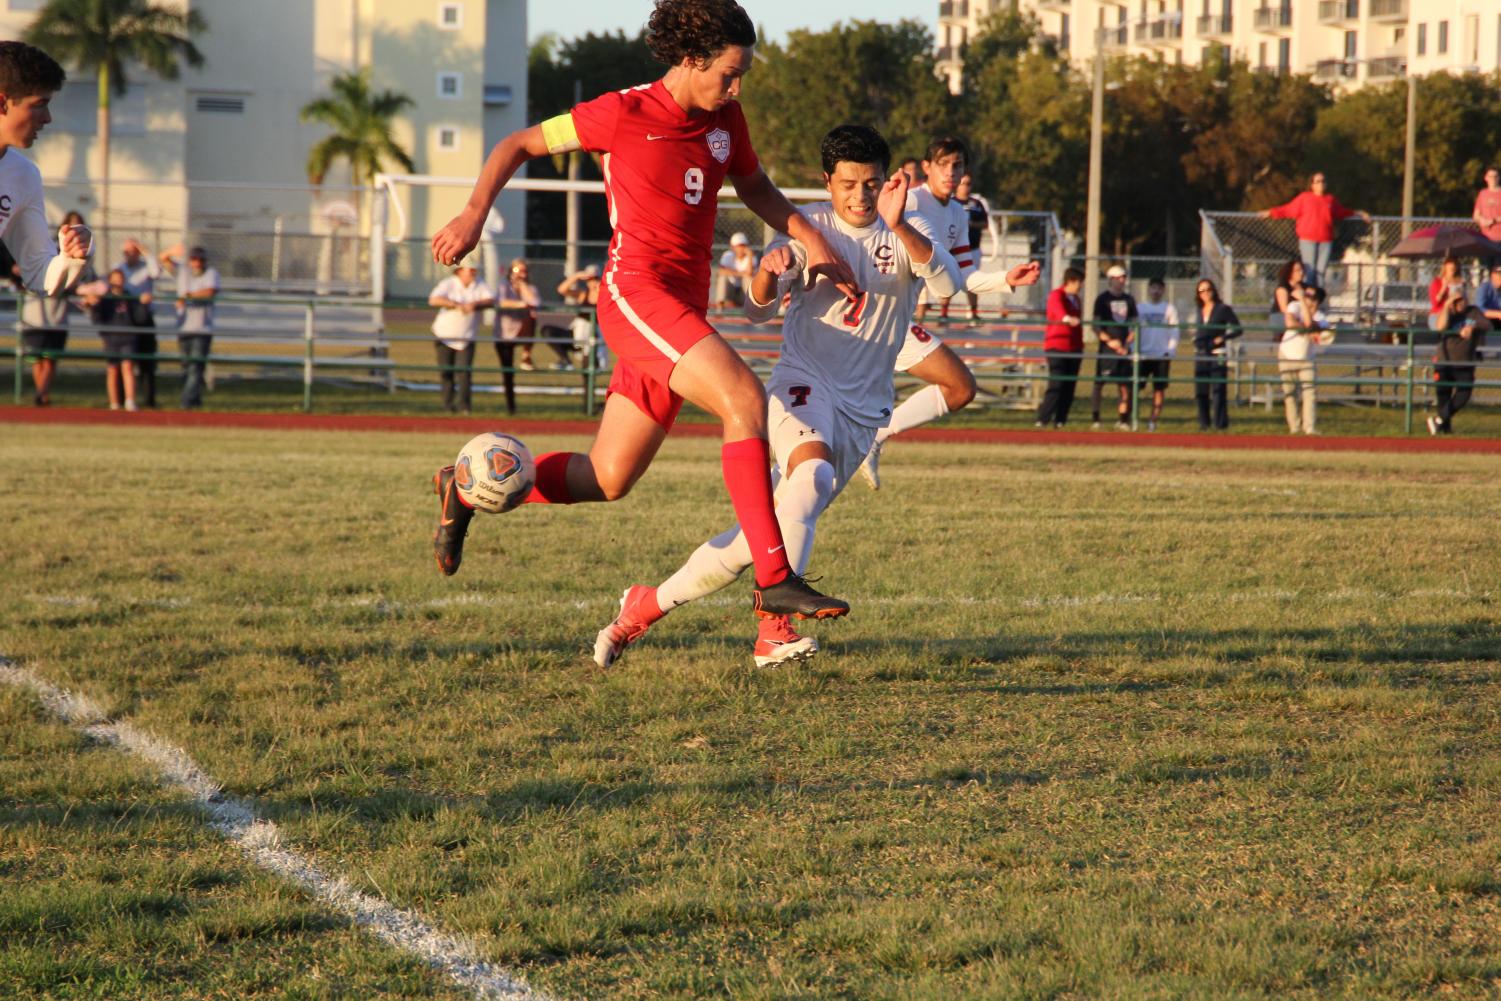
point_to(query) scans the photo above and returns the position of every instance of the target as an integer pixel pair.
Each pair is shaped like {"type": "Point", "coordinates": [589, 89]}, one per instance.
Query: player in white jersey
{"type": "Point", "coordinates": [951, 385]}
{"type": "Point", "coordinates": [28, 79]}
{"type": "Point", "coordinates": [831, 388]}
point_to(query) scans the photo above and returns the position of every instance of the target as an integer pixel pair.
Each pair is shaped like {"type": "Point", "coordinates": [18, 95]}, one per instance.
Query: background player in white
{"type": "Point", "coordinates": [28, 79]}
{"type": "Point", "coordinates": [1159, 343]}
{"type": "Point", "coordinates": [831, 388]}
{"type": "Point", "coordinates": [951, 385]}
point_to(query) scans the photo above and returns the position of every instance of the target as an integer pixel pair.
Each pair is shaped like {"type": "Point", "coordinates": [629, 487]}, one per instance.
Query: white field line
{"type": "Point", "coordinates": [260, 841]}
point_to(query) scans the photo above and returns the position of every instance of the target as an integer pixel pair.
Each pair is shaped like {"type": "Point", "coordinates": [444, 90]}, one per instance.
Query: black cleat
{"type": "Point", "coordinates": [791, 596]}
{"type": "Point", "coordinates": [453, 523]}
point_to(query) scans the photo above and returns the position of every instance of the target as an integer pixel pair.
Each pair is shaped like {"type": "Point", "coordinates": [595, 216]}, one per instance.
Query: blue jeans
{"type": "Point", "coordinates": [194, 349]}
{"type": "Point", "coordinates": [1315, 260]}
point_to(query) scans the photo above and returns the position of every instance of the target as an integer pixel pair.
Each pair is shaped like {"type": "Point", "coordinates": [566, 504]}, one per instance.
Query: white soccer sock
{"type": "Point", "coordinates": [927, 404]}
{"type": "Point", "coordinates": [712, 566]}
{"type": "Point", "coordinates": [801, 499]}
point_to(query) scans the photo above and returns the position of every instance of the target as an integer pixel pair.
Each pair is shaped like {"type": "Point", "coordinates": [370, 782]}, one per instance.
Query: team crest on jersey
{"type": "Point", "coordinates": [719, 144]}
{"type": "Point", "coordinates": [885, 256]}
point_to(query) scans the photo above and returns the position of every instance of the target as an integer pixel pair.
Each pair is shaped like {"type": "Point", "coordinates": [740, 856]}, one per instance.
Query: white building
{"type": "Point", "coordinates": [222, 148]}
{"type": "Point", "coordinates": [1347, 42]}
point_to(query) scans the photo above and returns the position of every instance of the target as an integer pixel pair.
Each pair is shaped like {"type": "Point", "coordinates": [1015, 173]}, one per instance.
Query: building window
{"type": "Point", "coordinates": [1422, 39]}
{"type": "Point", "coordinates": [219, 104]}
{"type": "Point", "coordinates": [451, 16]}
{"type": "Point", "coordinates": [448, 138]}
{"type": "Point", "coordinates": [1284, 55]}
{"type": "Point", "coordinates": [450, 85]}
{"type": "Point", "coordinates": [1443, 37]}
{"type": "Point", "coordinates": [1261, 56]}
{"type": "Point", "coordinates": [1350, 45]}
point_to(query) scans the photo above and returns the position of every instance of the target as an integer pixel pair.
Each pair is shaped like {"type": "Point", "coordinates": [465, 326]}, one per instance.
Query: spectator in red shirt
{"type": "Point", "coordinates": [1488, 205]}
{"type": "Point", "coordinates": [1063, 346]}
{"type": "Point", "coordinates": [1315, 212]}
{"type": "Point", "coordinates": [1447, 287]}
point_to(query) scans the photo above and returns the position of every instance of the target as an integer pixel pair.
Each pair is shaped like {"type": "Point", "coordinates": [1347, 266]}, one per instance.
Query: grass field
{"type": "Point", "coordinates": [1103, 724]}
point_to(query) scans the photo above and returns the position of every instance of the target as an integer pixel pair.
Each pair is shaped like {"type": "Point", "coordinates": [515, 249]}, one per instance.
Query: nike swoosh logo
{"type": "Point", "coordinates": [771, 552]}
{"type": "Point", "coordinates": [443, 520]}
{"type": "Point", "coordinates": [651, 138]}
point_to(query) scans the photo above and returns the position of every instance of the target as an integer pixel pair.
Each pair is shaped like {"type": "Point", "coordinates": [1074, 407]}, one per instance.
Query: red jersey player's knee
{"type": "Point", "coordinates": [712, 376]}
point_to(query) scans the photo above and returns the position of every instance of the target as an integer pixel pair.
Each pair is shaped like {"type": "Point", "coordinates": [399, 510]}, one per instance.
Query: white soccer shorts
{"type": "Point", "coordinates": [920, 343]}
{"type": "Point", "coordinates": [799, 411]}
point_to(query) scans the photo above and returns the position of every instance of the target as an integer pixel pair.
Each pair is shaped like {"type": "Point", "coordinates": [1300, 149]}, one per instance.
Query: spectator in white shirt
{"type": "Point", "coordinates": [1159, 343]}
{"type": "Point", "coordinates": [516, 302]}
{"type": "Point", "coordinates": [197, 287]}
{"type": "Point", "coordinates": [1307, 329]}
{"type": "Point", "coordinates": [737, 266]}
{"type": "Point", "coordinates": [460, 298]}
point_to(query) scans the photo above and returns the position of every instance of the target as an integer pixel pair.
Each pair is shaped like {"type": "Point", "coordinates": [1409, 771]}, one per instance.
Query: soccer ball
{"type": "Point", "coordinates": [494, 472]}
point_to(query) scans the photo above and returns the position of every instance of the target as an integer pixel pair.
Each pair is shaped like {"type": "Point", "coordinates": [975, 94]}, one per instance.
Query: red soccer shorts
{"type": "Point", "coordinates": [649, 328]}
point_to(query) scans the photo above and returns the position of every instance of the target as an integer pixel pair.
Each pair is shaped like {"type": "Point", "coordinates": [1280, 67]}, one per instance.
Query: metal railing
{"type": "Point", "coordinates": [1273, 18]}
{"type": "Point", "coordinates": [1215, 24]}
{"type": "Point", "coordinates": [1386, 66]}
{"type": "Point", "coordinates": [1337, 11]}
{"type": "Point", "coordinates": [1388, 10]}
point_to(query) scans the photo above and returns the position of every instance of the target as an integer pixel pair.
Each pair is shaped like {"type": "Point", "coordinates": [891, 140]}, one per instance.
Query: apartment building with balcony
{"type": "Point", "coordinates": [1345, 42]}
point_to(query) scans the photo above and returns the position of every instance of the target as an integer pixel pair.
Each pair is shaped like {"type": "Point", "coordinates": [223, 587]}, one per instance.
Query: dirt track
{"type": "Point", "coordinates": [474, 425]}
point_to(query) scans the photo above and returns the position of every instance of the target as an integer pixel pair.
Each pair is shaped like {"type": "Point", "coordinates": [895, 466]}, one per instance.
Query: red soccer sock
{"type": "Point", "coordinates": [552, 479]}
{"type": "Point", "coordinates": [747, 475]}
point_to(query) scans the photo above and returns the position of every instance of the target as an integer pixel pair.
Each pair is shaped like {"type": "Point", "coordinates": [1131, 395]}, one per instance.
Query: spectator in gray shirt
{"type": "Point", "coordinates": [196, 289]}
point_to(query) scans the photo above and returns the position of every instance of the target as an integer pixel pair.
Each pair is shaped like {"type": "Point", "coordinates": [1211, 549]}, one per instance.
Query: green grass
{"type": "Point", "coordinates": [1104, 723]}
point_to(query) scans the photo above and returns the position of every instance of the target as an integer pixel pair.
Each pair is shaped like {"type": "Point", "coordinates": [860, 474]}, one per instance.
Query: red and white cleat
{"type": "Point", "coordinates": [635, 618]}
{"type": "Point", "coordinates": [777, 642]}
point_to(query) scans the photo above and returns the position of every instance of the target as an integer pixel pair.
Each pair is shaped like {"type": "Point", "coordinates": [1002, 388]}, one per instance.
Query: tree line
{"type": "Point", "coordinates": [1219, 135]}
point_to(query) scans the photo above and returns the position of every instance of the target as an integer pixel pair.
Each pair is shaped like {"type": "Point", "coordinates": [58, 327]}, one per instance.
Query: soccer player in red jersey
{"type": "Point", "coordinates": [667, 147]}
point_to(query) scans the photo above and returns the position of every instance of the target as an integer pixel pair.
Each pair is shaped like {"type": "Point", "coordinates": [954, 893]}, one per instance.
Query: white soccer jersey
{"type": "Point", "coordinates": [849, 349]}
{"type": "Point", "coordinates": [24, 230]}
{"type": "Point", "coordinates": [951, 222]}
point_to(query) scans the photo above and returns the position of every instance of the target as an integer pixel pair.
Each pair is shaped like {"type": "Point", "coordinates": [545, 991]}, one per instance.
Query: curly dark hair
{"type": "Point", "coordinates": [696, 29]}
{"type": "Point", "coordinates": [26, 71]}
{"type": "Point", "coordinates": [855, 144]}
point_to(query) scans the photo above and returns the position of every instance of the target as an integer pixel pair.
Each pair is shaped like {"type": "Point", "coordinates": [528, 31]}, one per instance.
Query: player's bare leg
{"type": "Point", "coordinates": [950, 386]}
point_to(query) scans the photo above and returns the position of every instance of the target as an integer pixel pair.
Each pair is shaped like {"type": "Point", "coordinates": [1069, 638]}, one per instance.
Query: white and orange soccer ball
{"type": "Point", "coordinates": [494, 472]}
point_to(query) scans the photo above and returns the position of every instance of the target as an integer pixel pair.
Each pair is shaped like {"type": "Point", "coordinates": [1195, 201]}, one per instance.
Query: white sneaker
{"type": "Point", "coordinates": [1433, 426]}
{"type": "Point", "coordinates": [1151, 425]}
{"type": "Point", "coordinates": [778, 643]}
{"type": "Point", "coordinates": [130, 405]}
{"type": "Point", "coordinates": [870, 466]}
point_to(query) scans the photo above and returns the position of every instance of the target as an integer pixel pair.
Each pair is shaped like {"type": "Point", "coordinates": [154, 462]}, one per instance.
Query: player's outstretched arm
{"type": "Point", "coordinates": [767, 201]}
{"type": "Point", "coordinates": [462, 234]}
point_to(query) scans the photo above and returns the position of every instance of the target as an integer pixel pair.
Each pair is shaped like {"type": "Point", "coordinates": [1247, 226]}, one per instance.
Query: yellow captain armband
{"type": "Point", "coordinates": [560, 135]}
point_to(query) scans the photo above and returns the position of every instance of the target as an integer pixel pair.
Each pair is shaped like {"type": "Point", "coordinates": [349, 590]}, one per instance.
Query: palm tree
{"type": "Point", "coordinates": [105, 35]}
{"type": "Point", "coordinates": [361, 120]}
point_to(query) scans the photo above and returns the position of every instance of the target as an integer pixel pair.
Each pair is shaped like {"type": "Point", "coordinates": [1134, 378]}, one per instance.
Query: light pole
{"type": "Point", "coordinates": [1096, 152]}
{"type": "Point", "coordinates": [1408, 154]}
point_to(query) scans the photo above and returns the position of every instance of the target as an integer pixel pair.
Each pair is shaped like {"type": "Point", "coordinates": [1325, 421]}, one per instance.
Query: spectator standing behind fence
{"type": "Point", "coordinates": [1114, 315]}
{"type": "Point", "coordinates": [582, 289]}
{"type": "Point", "coordinates": [111, 309]}
{"type": "Point", "coordinates": [1448, 283]}
{"type": "Point", "coordinates": [197, 287]}
{"type": "Point", "coordinates": [1217, 325]}
{"type": "Point", "coordinates": [1314, 213]}
{"type": "Point", "coordinates": [1289, 279]}
{"type": "Point", "coordinates": [1063, 347]}
{"type": "Point", "coordinates": [1487, 214]}
{"type": "Point", "coordinates": [1454, 364]}
{"type": "Point", "coordinates": [516, 302]}
{"type": "Point", "coordinates": [1305, 331]}
{"type": "Point", "coordinates": [1488, 295]}
{"type": "Point", "coordinates": [141, 273]}
{"type": "Point", "coordinates": [460, 298]}
{"type": "Point", "coordinates": [737, 266]}
{"type": "Point", "coordinates": [980, 223]}
{"type": "Point", "coordinates": [1159, 343]}
{"type": "Point", "coordinates": [45, 337]}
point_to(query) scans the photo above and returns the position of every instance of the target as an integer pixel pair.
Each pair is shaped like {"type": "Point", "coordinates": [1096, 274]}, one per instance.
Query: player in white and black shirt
{"type": "Point", "coordinates": [951, 385]}
{"type": "Point", "coordinates": [832, 387]}
{"type": "Point", "coordinates": [28, 79]}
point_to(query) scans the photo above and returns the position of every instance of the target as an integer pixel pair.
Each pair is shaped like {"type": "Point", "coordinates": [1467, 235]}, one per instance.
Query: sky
{"type": "Point", "coordinates": [571, 18]}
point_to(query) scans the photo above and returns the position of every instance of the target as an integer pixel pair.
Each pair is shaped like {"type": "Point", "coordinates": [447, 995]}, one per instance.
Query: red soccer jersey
{"type": "Point", "coordinates": [663, 171]}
